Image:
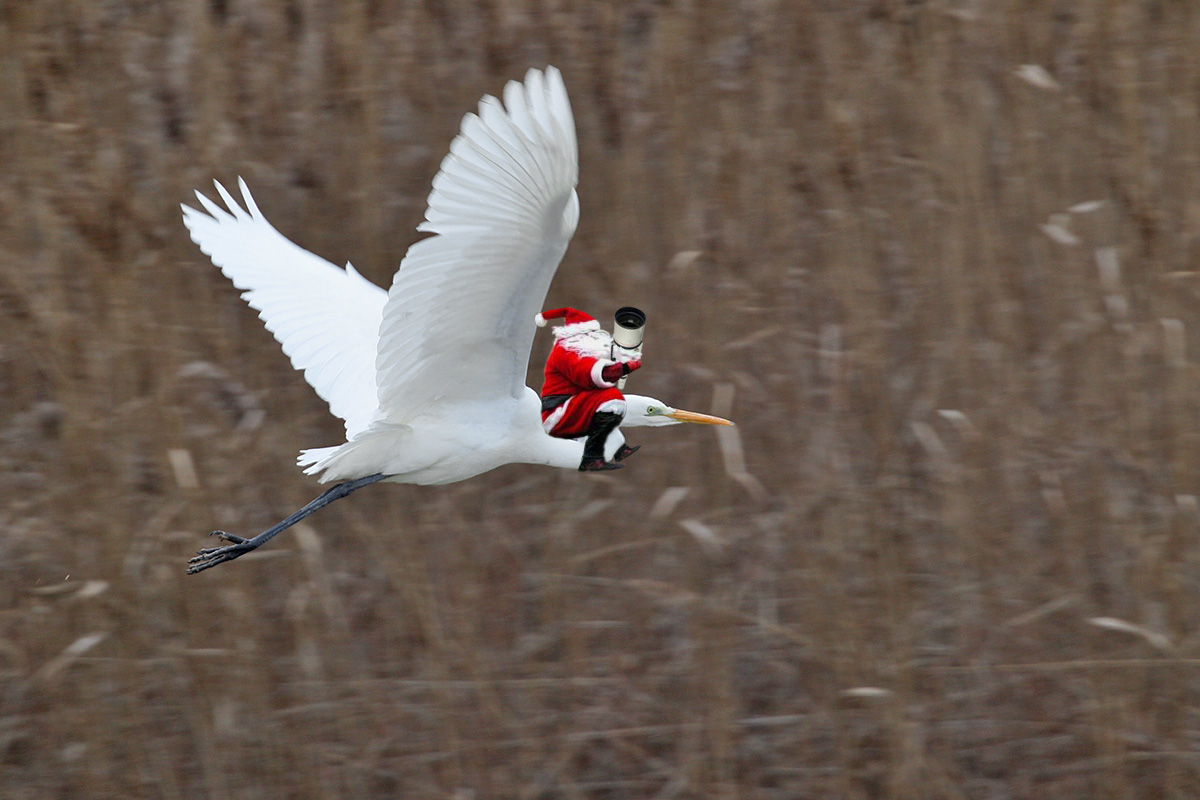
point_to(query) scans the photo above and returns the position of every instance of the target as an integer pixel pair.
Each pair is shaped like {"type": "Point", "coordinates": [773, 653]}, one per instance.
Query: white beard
{"type": "Point", "coordinates": [594, 344]}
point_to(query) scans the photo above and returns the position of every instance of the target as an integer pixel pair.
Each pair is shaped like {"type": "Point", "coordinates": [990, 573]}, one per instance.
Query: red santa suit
{"type": "Point", "coordinates": [575, 387]}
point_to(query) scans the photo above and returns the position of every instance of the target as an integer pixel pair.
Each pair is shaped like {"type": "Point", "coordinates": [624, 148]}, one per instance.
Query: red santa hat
{"type": "Point", "coordinates": [575, 319]}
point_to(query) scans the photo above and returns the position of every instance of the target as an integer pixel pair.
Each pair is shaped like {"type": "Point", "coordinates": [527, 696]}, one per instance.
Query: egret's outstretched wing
{"type": "Point", "coordinates": [326, 318]}
{"type": "Point", "coordinates": [458, 324]}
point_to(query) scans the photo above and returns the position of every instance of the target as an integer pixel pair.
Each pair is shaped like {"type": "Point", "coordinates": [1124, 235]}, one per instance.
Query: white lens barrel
{"type": "Point", "coordinates": [630, 323]}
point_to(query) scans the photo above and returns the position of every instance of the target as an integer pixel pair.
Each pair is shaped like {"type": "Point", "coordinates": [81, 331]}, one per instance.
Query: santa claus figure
{"type": "Point", "coordinates": [580, 397]}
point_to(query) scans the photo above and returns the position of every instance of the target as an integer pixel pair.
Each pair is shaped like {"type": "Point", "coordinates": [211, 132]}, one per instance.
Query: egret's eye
{"type": "Point", "coordinates": [653, 411]}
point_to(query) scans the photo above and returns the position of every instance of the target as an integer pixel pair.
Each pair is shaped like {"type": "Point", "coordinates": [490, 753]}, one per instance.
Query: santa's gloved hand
{"type": "Point", "coordinates": [614, 372]}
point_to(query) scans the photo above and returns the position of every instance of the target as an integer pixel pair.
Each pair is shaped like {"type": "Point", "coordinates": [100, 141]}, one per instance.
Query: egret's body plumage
{"type": "Point", "coordinates": [428, 376]}
{"type": "Point", "coordinates": [459, 441]}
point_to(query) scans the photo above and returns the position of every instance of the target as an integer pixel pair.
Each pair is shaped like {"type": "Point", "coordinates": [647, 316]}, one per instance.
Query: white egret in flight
{"type": "Point", "coordinates": [429, 376]}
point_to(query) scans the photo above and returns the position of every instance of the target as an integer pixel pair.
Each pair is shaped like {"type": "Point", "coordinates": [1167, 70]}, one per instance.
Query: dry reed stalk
{"type": "Point", "coordinates": [942, 253]}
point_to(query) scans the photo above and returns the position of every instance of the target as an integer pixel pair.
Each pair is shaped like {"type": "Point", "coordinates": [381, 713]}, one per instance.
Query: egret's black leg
{"type": "Point", "coordinates": [211, 556]}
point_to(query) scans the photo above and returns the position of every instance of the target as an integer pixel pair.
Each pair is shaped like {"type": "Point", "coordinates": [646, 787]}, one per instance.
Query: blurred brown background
{"type": "Point", "coordinates": [937, 259]}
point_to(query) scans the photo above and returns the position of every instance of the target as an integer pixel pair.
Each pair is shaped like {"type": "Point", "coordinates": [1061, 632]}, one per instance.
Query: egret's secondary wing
{"type": "Point", "coordinates": [326, 318]}
{"type": "Point", "coordinates": [458, 324]}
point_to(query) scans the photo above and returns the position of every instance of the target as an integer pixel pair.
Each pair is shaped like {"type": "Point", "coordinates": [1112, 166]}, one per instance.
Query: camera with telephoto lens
{"type": "Point", "coordinates": [629, 324]}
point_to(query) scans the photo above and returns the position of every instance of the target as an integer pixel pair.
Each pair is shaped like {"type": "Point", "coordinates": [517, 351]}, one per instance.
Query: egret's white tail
{"type": "Point", "coordinates": [380, 448]}
{"type": "Point", "coordinates": [313, 459]}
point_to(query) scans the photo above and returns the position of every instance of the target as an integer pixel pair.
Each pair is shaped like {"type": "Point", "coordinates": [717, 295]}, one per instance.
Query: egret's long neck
{"type": "Point", "coordinates": [545, 449]}
{"type": "Point", "coordinates": [530, 444]}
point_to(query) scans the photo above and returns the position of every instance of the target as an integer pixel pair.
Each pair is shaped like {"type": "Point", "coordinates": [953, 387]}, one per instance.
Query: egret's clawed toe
{"type": "Point", "coordinates": [211, 556]}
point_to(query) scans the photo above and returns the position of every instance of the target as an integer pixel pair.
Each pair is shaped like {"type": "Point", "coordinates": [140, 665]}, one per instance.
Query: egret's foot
{"type": "Point", "coordinates": [229, 537]}
{"type": "Point", "coordinates": [597, 465]}
{"type": "Point", "coordinates": [626, 451]}
{"type": "Point", "coordinates": [211, 556]}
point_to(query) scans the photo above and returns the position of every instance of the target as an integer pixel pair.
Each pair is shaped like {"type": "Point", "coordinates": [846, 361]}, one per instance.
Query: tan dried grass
{"type": "Point", "coordinates": [934, 257]}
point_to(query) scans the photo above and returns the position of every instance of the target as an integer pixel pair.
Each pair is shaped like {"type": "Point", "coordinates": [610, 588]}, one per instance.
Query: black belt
{"type": "Point", "coordinates": [553, 401]}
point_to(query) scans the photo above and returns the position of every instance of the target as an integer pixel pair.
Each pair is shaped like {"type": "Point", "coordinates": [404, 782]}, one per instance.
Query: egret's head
{"type": "Point", "coordinates": [647, 411]}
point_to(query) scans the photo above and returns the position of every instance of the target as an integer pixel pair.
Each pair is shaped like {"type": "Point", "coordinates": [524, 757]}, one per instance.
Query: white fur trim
{"type": "Point", "coordinates": [539, 320]}
{"type": "Point", "coordinates": [612, 407]}
{"type": "Point", "coordinates": [598, 373]}
{"type": "Point", "coordinates": [549, 422]}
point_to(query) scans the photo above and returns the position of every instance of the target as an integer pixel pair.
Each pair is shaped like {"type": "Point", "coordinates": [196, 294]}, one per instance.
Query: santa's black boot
{"type": "Point", "coordinates": [603, 423]}
{"type": "Point", "coordinates": [625, 451]}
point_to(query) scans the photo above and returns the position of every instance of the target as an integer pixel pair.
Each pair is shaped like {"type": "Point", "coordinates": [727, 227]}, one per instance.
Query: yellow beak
{"type": "Point", "coordinates": [692, 416]}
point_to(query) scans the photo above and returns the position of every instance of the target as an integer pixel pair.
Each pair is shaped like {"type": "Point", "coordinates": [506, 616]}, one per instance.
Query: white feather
{"type": "Point", "coordinates": [326, 318]}
{"type": "Point", "coordinates": [457, 324]}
